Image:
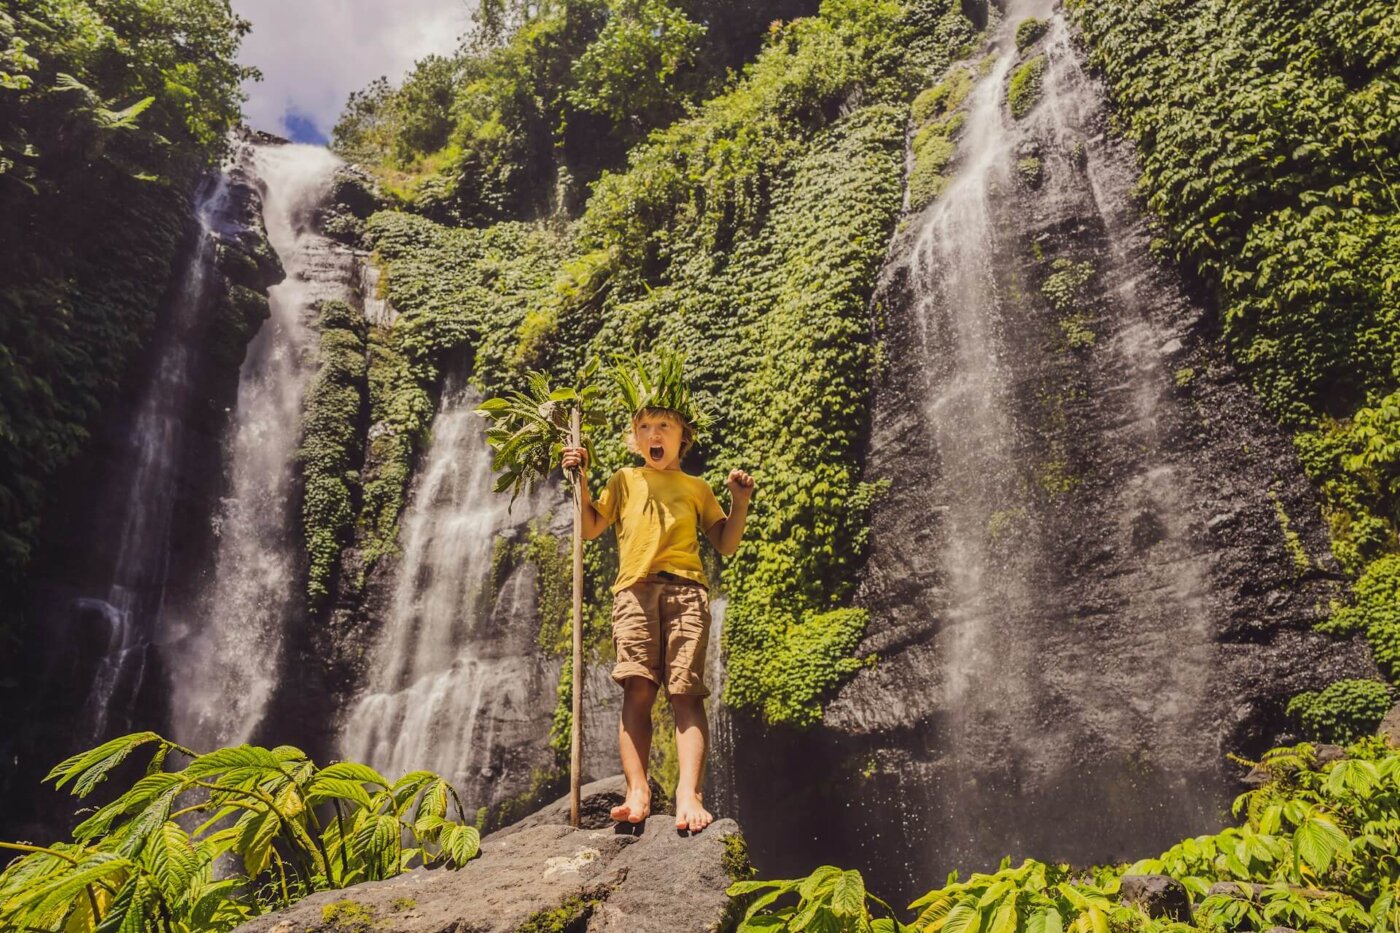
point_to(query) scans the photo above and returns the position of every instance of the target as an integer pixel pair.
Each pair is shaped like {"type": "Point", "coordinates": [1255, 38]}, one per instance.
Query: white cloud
{"type": "Point", "coordinates": [313, 53]}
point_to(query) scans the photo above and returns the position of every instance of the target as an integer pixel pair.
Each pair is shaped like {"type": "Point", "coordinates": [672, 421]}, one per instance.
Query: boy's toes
{"type": "Point", "coordinates": [693, 817]}
{"type": "Point", "coordinates": [635, 809]}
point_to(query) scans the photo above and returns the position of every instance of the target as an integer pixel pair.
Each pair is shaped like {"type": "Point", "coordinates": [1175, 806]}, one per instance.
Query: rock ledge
{"type": "Point", "coordinates": [543, 876]}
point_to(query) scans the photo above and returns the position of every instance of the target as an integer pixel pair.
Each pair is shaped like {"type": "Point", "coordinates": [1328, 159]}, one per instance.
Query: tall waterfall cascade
{"type": "Point", "coordinates": [1059, 611]}
{"type": "Point", "coordinates": [228, 653]}
{"type": "Point", "coordinates": [135, 590]}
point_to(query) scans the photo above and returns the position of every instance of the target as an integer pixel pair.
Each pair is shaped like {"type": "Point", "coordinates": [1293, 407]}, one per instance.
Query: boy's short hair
{"type": "Point", "coordinates": [687, 432]}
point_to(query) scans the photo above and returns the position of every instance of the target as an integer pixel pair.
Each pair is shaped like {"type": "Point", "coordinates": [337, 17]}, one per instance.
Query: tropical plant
{"type": "Point", "coordinates": [828, 899]}
{"type": "Point", "coordinates": [146, 861]}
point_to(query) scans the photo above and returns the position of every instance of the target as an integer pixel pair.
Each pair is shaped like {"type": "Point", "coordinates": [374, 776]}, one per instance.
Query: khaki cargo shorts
{"type": "Point", "coordinates": [660, 632]}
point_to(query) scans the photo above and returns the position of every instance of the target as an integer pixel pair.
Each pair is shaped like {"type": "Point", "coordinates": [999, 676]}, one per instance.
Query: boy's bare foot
{"type": "Point", "coordinates": [691, 813]}
{"type": "Point", "coordinates": [636, 808]}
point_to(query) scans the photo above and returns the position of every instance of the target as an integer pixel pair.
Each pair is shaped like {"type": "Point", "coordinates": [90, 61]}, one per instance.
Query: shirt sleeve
{"type": "Point", "coordinates": [609, 501]}
{"type": "Point", "coordinates": [710, 509]}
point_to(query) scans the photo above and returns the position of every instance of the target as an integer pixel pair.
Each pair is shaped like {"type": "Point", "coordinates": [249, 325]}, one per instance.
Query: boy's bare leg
{"type": "Point", "coordinates": [634, 745]}
{"type": "Point", "coordinates": [692, 737]}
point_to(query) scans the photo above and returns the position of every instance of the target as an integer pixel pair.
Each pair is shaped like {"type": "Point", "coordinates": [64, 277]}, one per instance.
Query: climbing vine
{"type": "Point", "coordinates": [331, 444]}
{"type": "Point", "coordinates": [723, 238]}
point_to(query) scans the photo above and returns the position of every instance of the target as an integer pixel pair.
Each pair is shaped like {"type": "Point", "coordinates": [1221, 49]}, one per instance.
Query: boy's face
{"type": "Point", "coordinates": [658, 438]}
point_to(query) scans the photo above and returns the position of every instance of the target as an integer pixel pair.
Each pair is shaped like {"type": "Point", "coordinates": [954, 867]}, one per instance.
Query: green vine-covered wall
{"type": "Point", "coordinates": [748, 235]}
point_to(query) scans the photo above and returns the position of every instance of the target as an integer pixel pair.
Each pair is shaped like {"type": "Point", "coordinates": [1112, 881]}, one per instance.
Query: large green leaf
{"type": "Point", "coordinates": [848, 895]}
{"type": "Point", "coordinates": [88, 769]}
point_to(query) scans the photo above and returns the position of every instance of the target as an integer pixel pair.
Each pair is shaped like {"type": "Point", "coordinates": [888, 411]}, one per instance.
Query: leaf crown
{"type": "Point", "coordinates": [657, 380]}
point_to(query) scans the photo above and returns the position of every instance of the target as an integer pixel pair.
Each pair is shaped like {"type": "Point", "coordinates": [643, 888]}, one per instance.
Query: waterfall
{"type": "Point", "coordinates": [1055, 618]}
{"type": "Point", "coordinates": [226, 655]}
{"type": "Point", "coordinates": [458, 685]}
{"type": "Point", "coordinates": [719, 787]}
{"type": "Point", "coordinates": [130, 607]}
{"type": "Point", "coordinates": [1039, 717]}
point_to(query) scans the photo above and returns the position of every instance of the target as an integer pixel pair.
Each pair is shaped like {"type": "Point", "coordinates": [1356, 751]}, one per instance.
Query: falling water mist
{"type": "Point", "coordinates": [227, 653]}
{"type": "Point", "coordinates": [458, 684]}
{"type": "Point", "coordinates": [131, 604]}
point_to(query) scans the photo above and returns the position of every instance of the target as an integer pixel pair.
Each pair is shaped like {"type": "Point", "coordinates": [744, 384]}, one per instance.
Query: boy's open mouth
{"type": "Point", "coordinates": [657, 451]}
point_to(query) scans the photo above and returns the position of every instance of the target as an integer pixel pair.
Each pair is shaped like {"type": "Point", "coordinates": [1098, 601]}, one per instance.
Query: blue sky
{"type": "Point", "coordinates": [313, 53]}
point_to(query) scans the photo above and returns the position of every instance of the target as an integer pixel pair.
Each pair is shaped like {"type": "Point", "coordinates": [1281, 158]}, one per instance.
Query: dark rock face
{"type": "Point", "coordinates": [1389, 729]}
{"type": "Point", "coordinates": [1099, 563]}
{"type": "Point", "coordinates": [650, 881]}
{"type": "Point", "coordinates": [130, 530]}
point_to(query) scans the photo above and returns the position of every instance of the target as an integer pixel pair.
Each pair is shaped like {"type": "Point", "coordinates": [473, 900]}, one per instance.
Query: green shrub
{"type": "Point", "coordinates": [1029, 31]}
{"type": "Point", "coordinates": [1030, 171]}
{"type": "Point", "coordinates": [1023, 90]}
{"type": "Point", "coordinates": [278, 826]}
{"type": "Point", "coordinates": [1343, 712]}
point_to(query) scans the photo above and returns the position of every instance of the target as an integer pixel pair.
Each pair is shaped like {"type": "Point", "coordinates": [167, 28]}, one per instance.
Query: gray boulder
{"type": "Point", "coordinates": [1389, 729]}
{"type": "Point", "coordinates": [542, 875]}
{"type": "Point", "coordinates": [1160, 896]}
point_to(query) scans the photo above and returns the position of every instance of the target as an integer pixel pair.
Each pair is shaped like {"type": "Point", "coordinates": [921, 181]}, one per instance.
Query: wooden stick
{"type": "Point", "coordinates": [576, 742]}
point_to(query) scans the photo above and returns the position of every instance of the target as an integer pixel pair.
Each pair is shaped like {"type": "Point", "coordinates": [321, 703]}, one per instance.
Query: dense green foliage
{"type": "Point", "coordinates": [937, 119]}
{"type": "Point", "coordinates": [721, 238]}
{"type": "Point", "coordinates": [290, 828]}
{"type": "Point", "coordinates": [1343, 711]}
{"type": "Point", "coordinates": [1023, 90]}
{"type": "Point", "coordinates": [1029, 31]}
{"type": "Point", "coordinates": [458, 291]}
{"type": "Point", "coordinates": [332, 443]}
{"type": "Point", "coordinates": [543, 96]}
{"type": "Point", "coordinates": [1270, 142]}
{"type": "Point", "coordinates": [1316, 849]}
{"type": "Point", "coordinates": [107, 112]}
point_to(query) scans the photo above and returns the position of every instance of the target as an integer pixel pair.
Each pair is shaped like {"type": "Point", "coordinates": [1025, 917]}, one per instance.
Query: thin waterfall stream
{"type": "Point", "coordinates": [133, 600]}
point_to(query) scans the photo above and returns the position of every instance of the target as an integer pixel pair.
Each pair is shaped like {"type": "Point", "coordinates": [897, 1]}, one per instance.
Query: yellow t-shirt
{"type": "Point", "coordinates": [659, 514]}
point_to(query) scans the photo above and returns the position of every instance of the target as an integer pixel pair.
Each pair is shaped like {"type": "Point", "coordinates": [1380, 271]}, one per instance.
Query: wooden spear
{"type": "Point", "coordinates": [576, 740]}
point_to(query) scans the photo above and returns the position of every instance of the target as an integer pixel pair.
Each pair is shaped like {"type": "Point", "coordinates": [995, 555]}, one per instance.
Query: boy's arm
{"type": "Point", "coordinates": [725, 533]}
{"type": "Point", "coordinates": [594, 523]}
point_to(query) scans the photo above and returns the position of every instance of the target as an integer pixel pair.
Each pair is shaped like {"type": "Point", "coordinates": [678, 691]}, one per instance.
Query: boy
{"type": "Point", "coordinates": [661, 612]}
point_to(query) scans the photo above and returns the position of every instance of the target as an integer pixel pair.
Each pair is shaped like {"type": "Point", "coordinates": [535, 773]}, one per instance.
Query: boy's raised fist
{"type": "Point", "coordinates": [575, 457]}
{"type": "Point", "coordinates": [740, 484]}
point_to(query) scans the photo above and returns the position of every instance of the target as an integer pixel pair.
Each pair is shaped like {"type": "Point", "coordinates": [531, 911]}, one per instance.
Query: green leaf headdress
{"type": "Point", "coordinates": [657, 380]}
{"type": "Point", "coordinates": [530, 428]}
